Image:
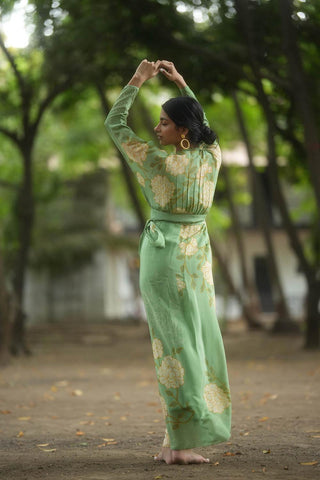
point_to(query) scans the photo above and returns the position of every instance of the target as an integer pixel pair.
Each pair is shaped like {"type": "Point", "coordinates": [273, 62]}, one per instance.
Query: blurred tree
{"type": "Point", "coordinates": [269, 96]}
{"type": "Point", "coordinates": [25, 97]}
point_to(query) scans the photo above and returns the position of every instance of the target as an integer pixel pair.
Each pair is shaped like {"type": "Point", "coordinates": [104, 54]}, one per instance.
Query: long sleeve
{"type": "Point", "coordinates": [116, 121]}
{"type": "Point", "coordinates": [187, 92]}
{"type": "Point", "coordinates": [144, 158]}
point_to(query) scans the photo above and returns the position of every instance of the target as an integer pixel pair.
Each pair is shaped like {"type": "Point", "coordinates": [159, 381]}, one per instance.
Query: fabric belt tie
{"type": "Point", "coordinates": [177, 217]}
{"type": "Point", "coordinates": [153, 231]}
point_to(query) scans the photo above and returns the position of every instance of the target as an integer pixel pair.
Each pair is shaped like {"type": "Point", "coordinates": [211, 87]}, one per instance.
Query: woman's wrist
{"type": "Point", "coordinates": [180, 82]}
{"type": "Point", "coordinates": [136, 81]}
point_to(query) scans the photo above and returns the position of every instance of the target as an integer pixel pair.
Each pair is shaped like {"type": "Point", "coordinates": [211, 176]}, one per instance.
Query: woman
{"type": "Point", "coordinates": [176, 266]}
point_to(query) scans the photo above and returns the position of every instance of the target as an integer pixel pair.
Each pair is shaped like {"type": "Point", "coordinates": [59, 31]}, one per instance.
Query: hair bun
{"type": "Point", "coordinates": [207, 135]}
{"type": "Point", "coordinates": [187, 112]}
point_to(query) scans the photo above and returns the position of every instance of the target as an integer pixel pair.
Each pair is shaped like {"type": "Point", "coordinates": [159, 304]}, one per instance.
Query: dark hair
{"type": "Point", "coordinates": [187, 112]}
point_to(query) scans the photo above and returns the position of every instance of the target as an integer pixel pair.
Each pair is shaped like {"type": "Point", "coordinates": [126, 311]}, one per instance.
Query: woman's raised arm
{"type": "Point", "coordinates": [169, 70]}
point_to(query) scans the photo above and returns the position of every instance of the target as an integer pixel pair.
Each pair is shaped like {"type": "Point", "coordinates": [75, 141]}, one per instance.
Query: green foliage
{"type": "Point", "coordinates": [6, 7]}
{"type": "Point", "coordinates": [74, 137]}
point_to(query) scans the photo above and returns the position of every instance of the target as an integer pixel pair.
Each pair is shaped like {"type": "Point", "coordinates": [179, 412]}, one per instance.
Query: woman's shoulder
{"type": "Point", "coordinates": [215, 151]}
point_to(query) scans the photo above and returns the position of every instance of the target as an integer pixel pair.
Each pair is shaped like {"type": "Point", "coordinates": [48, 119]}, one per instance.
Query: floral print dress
{"type": "Point", "coordinates": [176, 281]}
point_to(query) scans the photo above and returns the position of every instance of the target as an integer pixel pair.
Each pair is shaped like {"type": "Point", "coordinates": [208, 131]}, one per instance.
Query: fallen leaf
{"type": "Point", "coordinates": [153, 404]}
{"type": "Point", "coordinates": [24, 418]}
{"type": "Point", "coordinates": [79, 433]}
{"type": "Point", "coordinates": [53, 388]}
{"type": "Point", "coordinates": [156, 420]}
{"type": "Point", "coordinates": [116, 396]}
{"type": "Point", "coordinates": [108, 439]}
{"type": "Point", "coordinates": [112, 443]}
{"type": "Point", "coordinates": [42, 444]}
{"type": "Point", "coordinates": [48, 450]}
{"type": "Point", "coordinates": [104, 418]}
{"type": "Point", "coordinates": [263, 419]}
{"type": "Point", "coordinates": [87, 422]}
{"type": "Point", "coordinates": [123, 418]}
{"type": "Point", "coordinates": [309, 463]}
{"type": "Point", "coordinates": [20, 434]}
{"type": "Point", "coordinates": [231, 454]}
{"type": "Point", "coordinates": [157, 477]}
{"type": "Point", "coordinates": [151, 433]}
{"type": "Point", "coordinates": [266, 451]}
{"type": "Point", "coordinates": [47, 396]}
{"type": "Point", "coordinates": [315, 436]}
{"type": "Point", "coordinates": [266, 397]}
{"type": "Point", "coordinates": [216, 464]}
{"type": "Point", "coordinates": [90, 414]}
{"type": "Point", "coordinates": [5, 412]}
{"type": "Point", "coordinates": [285, 467]}
{"type": "Point", "coordinates": [62, 383]}
{"type": "Point", "coordinates": [77, 393]}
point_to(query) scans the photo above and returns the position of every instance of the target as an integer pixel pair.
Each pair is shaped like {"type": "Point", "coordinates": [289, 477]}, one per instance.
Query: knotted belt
{"type": "Point", "coordinates": [153, 231]}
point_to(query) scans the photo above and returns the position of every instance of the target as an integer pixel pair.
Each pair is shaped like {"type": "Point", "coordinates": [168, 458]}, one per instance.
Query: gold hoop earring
{"type": "Point", "coordinates": [185, 144]}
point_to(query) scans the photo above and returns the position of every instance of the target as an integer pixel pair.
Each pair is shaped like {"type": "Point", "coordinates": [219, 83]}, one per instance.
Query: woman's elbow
{"type": "Point", "coordinates": [109, 124]}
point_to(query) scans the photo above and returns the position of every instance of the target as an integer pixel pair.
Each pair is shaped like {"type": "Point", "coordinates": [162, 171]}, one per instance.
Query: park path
{"type": "Point", "coordinates": [85, 407]}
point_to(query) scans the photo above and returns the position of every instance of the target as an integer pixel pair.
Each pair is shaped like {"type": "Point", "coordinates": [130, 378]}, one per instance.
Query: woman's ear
{"type": "Point", "coordinates": [184, 131]}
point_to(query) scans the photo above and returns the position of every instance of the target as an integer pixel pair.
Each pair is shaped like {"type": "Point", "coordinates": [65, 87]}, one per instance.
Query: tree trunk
{"type": "Point", "coordinates": [6, 308]}
{"type": "Point", "coordinates": [247, 312]}
{"type": "Point", "coordinates": [312, 337]}
{"type": "Point", "coordinates": [301, 95]}
{"type": "Point", "coordinates": [248, 294]}
{"type": "Point", "coordinates": [263, 217]}
{"type": "Point", "coordinates": [25, 218]}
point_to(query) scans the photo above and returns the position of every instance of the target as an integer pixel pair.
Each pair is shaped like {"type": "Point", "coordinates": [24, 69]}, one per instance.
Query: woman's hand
{"type": "Point", "coordinates": [169, 70]}
{"type": "Point", "coordinates": [144, 72]}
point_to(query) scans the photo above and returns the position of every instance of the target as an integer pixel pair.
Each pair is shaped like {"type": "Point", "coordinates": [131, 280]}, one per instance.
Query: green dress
{"type": "Point", "coordinates": [176, 281]}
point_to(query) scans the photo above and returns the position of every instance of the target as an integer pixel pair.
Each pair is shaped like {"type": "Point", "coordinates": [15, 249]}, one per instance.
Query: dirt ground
{"type": "Point", "coordinates": [85, 406]}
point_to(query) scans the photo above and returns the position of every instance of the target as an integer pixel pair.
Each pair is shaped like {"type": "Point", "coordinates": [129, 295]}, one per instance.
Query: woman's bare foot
{"type": "Point", "coordinates": [182, 457]}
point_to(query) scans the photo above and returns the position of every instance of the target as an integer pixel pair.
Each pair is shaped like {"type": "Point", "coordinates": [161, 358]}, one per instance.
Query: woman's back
{"type": "Point", "coordinates": [178, 183]}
